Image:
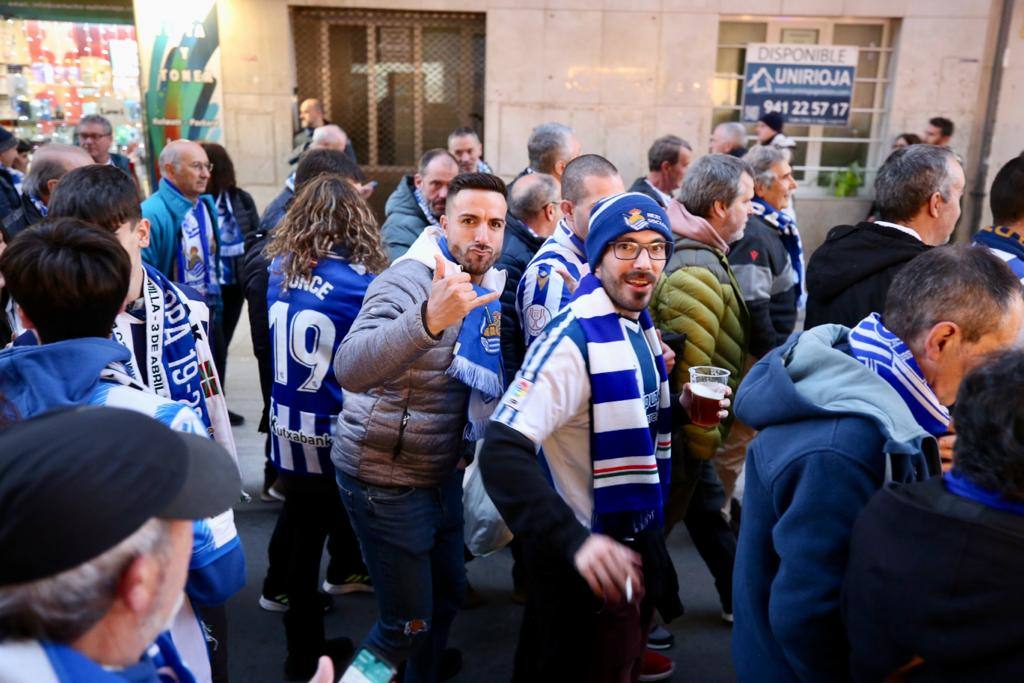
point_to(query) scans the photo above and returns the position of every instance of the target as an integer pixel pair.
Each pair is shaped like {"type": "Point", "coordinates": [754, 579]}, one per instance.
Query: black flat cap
{"type": "Point", "coordinates": [74, 483]}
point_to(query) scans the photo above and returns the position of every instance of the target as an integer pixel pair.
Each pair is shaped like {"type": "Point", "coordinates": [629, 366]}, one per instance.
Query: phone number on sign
{"type": "Point", "coordinates": [806, 108]}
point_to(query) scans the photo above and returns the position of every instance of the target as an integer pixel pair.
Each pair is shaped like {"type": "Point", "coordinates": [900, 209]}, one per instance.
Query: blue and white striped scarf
{"type": "Point", "coordinates": [424, 207]}
{"type": "Point", "coordinates": [631, 469]}
{"type": "Point", "coordinates": [886, 355]}
{"type": "Point", "coordinates": [1007, 244]}
{"type": "Point", "coordinates": [790, 239]}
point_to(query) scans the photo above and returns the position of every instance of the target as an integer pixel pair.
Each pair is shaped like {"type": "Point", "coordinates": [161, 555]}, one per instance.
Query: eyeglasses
{"type": "Point", "coordinates": [198, 166]}
{"type": "Point", "coordinates": [628, 251]}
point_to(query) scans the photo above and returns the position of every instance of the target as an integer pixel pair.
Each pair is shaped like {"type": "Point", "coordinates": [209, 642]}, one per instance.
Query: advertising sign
{"type": "Point", "coordinates": [180, 52]}
{"type": "Point", "coordinates": [807, 84]}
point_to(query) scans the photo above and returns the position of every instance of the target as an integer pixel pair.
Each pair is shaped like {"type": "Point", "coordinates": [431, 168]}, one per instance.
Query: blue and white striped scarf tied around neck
{"type": "Point", "coordinates": [886, 355]}
{"type": "Point", "coordinates": [631, 468]}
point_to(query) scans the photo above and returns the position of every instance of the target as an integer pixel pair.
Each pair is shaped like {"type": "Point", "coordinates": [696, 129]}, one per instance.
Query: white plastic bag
{"type": "Point", "coordinates": [485, 531]}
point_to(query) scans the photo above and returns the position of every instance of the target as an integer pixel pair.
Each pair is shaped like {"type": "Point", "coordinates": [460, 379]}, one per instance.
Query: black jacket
{"type": "Point", "coordinates": [642, 186]}
{"type": "Point", "coordinates": [849, 275]}
{"type": "Point", "coordinates": [255, 280]}
{"type": "Point", "coordinates": [935, 576]}
{"type": "Point", "coordinates": [765, 274]}
{"type": "Point", "coordinates": [519, 247]}
{"type": "Point", "coordinates": [23, 215]}
{"type": "Point", "coordinates": [10, 200]}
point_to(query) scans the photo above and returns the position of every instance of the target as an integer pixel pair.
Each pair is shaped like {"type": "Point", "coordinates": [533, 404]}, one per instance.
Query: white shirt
{"type": "Point", "coordinates": [665, 198]}
{"type": "Point", "coordinates": [901, 228]}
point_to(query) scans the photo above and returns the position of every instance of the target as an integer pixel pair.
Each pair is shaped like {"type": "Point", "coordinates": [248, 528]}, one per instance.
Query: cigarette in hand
{"type": "Point", "coordinates": [629, 589]}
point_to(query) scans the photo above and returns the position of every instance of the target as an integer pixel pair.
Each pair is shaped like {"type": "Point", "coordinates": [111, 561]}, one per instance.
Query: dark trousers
{"type": "Point", "coordinates": [311, 510]}
{"type": "Point", "coordinates": [412, 541]}
{"type": "Point", "coordinates": [216, 621]}
{"type": "Point", "coordinates": [568, 634]}
{"type": "Point", "coordinates": [222, 327]}
{"type": "Point", "coordinates": [703, 495]}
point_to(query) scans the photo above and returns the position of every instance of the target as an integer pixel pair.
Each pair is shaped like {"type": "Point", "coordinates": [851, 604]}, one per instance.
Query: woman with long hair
{"type": "Point", "coordinates": [325, 252]}
{"type": "Point", "coordinates": [236, 217]}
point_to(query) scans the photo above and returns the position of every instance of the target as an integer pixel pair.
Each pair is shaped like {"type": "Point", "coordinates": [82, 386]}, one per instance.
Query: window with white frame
{"type": "Point", "coordinates": [822, 152]}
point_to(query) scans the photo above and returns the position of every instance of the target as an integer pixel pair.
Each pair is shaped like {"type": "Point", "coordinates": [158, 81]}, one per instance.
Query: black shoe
{"type": "Point", "coordinates": [472, 599]}
{"type": "Point", "coordinates": [450, 664]}
{"type": "Point", "coordinates": [340, 650]}
{"type": "Point", "coordinates": [235, 419]}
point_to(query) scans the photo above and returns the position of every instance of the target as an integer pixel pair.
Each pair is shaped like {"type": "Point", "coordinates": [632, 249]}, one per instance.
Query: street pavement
{"type": "Point", "coordinates": [486, 635]}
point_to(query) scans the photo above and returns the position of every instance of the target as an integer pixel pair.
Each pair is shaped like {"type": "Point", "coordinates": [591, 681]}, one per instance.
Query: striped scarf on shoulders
{"type": "Point", "coordinates": [886, 355]}
{"type": "Point", "coordinates": [631, 468]}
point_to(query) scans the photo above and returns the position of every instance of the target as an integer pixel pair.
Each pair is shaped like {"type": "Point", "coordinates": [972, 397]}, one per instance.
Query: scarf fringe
{"type": "Point", "coordinates": [476, 376]}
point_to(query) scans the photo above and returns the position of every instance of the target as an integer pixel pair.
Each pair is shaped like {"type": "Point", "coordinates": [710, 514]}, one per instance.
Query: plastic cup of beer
{"type": "Point", "coordinates": [708, 385]}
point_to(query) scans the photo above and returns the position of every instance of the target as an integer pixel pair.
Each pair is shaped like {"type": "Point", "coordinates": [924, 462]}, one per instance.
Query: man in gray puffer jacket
{"type": "Point", "coordinates": [398, 440]}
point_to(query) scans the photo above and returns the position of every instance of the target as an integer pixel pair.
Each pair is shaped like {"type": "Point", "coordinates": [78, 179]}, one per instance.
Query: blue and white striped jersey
{"type": "Point", "coordinates": [542, 292]}
{"type": "Point", "coordinates": [308, 320]}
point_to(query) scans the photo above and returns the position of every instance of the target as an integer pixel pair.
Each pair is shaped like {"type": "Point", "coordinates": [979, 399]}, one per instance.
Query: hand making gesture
{"type": "Point", "coordinates": [451, 298]}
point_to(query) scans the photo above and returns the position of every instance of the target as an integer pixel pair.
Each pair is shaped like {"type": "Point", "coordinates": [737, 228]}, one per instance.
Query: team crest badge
{"type": "Point", "coordinates": [636, 220]}
{"type": "Point", "coordinates": [490, 331]}
{"type": "Point", "coordinates": [537, 318]}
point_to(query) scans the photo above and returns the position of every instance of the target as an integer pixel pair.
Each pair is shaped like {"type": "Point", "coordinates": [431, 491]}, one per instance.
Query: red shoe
{"type": "Point", "coordinates": [656, 667]}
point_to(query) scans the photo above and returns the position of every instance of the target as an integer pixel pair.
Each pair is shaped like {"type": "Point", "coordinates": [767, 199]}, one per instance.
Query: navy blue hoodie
{"type": "Point", "coordinates": [831, 432]}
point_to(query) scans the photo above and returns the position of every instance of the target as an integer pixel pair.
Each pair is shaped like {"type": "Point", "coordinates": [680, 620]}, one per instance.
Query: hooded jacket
{"type": "Point", "coordinates": [849, 275]}
{"type": "Point", "coordinates": [831, 433]}
{"type": "Point", "coordinates": [404, 220]}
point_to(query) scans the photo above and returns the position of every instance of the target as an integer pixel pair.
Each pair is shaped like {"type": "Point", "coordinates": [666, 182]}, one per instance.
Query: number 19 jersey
{"type": "Point", "coordinates": [308, 319]}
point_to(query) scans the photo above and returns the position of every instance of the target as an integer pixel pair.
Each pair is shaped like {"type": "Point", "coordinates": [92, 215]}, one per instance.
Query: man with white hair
{"type": "Point", "coordinates": [329, 136]}
{"type": "Point", "coordinates": [183, 238]}
{"type": "Point", "coordinates": [729, 138]}
{"type": "Point", "coordinates": [49, 164]}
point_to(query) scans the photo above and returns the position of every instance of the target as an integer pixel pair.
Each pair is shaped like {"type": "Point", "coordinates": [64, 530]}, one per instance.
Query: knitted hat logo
{"type": "Point", "coordinates": [635, 220]}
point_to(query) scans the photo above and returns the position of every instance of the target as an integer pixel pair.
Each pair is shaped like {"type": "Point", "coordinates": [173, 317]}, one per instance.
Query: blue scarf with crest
{"type": "Point", "coordinates": [477, 357]}
{"type": "Point", "coordinates": [886, 355]}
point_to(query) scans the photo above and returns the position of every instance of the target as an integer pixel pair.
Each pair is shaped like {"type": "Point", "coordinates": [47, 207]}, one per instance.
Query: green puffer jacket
{"type": "Point", "coordinates": [698, 296]}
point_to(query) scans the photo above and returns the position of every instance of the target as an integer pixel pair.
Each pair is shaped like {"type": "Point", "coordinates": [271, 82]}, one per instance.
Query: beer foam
{"type": "Point", "coordinates": [709, 390]}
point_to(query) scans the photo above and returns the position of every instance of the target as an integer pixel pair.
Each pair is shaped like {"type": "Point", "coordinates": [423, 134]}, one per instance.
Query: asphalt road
{"type": "Point", "coordinates": [486, 635]}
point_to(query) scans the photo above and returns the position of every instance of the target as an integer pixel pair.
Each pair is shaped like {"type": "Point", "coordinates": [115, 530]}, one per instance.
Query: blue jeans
{"type": "Point", "coordinates": [412, 543]}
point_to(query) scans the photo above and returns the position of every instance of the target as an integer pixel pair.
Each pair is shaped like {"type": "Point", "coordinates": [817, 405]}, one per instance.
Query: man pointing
{"type": "Point", "coordinates": [421, 370]}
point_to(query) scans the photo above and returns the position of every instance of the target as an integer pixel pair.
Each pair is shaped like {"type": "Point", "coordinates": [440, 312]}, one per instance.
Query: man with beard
{"type": "Point", "coordinates": [417, 202]}
{"type": "Point", "coordinates": [593, 393]}
{"type": "Point", "coordinates": [421, 370]}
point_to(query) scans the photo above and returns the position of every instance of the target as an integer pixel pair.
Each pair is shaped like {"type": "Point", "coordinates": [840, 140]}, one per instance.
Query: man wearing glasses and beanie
{"type": "Point", "coordinates": [593, 391]}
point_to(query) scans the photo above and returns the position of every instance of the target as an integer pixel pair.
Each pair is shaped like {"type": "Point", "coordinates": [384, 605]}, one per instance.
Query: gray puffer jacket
{"type": "Point", "coordinates": [403, 418]}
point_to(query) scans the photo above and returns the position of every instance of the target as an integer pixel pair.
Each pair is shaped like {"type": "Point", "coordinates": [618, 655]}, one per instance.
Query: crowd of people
{"type": "Point", "coordinates": [856, 489]}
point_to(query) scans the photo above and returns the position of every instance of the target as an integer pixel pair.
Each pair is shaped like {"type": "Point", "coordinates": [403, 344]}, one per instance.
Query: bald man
{"type": "Point", "coordinates": [312, 118]}
{"type": "Point", "coordinates": [183, 239]}
{"type": "Point", "coordinates": [50, 163]}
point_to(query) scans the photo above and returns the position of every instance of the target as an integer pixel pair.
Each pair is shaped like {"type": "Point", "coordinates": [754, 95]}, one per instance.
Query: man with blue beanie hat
{"type": "Point", "coordinates": [593, 393]}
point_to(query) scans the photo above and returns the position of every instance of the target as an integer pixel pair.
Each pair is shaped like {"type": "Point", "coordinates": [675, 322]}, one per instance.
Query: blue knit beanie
{"type": "Point", "coordinates": [619, 214]}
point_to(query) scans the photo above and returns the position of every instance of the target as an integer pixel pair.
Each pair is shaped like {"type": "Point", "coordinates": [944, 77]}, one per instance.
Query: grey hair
{"type": "Point", "coordinates": [908, 179]}
{"type": "Point", "coordinates": [324, 136]}
{"type": "Point", "coordinates": [429, 157]}
{"type": "Point", "coordinates": [762, 159]}
{"type": "Point", "coordinates": [462, 132]}
{"type": "Point", "coordinates": [712, 178]}
{"type": "Point", "coordinates": [548, 144]}
{"type": "Point", "coordinates": [531, 194]}
{"type": "Point", "coordinates": [665, 148]}
{"type": "Point", "coordinates": [62, 608]}
{"type": "Point", "coordinates": [48, 163]}
{"type": "Point", "coordinates": [97, 119]}
{"type": "Point", "coordinates": [170, 155]}
{"type": "Point", "coordinates": [736, 132]}
{"type": "Point", "coordinates": [964, 284]}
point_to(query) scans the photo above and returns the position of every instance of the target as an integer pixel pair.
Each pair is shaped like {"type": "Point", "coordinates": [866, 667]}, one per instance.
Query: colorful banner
{"type": "Point", "coordinates": [807, 84]}
{"type": "Point", "coordinates": [180, 50]}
